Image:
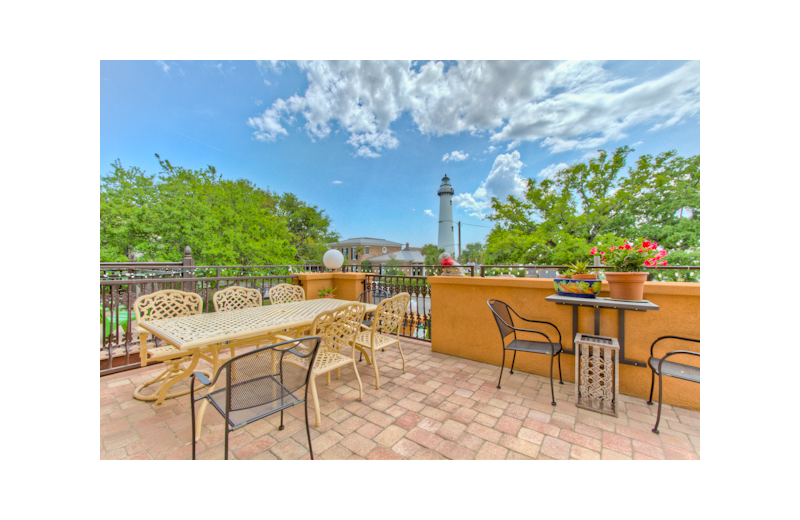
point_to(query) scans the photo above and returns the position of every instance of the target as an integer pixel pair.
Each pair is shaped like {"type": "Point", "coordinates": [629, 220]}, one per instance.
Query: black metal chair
{"type": "Point", "coordinates": [662, 367]}
{"type": "Point", "coordinates": [378, 295]}
{"type": "Point", "coordinates": [259, 384]}
{"type": "Point", "coordinates": [506, 325]}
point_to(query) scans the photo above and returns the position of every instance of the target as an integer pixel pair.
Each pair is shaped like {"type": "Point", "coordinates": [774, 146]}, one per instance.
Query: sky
{"type": "Point", "coordinates": [369, 141]}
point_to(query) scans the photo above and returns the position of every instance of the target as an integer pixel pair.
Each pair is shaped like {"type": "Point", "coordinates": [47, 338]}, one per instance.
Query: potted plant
{"type": "Point", "coordinates": [580, 271]}
{"type": "Point", "coordinates": [326, 292]}
{"type": "Point", "coordinates": [626, 282]}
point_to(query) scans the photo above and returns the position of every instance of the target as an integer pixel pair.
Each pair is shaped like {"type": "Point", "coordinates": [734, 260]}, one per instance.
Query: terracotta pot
{"type": "Point", "coordinates": [588, 276]}
{"type": "Point", "coordinates": [626, 286]}
{"type": "Point", "coordinates": [564, 276]}
{"type": "Point", "coordinates": [328, 296]}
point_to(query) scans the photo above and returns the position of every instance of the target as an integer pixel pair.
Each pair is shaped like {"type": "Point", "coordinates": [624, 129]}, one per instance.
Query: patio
{"type": "Point", "coordinates": [444, 407]}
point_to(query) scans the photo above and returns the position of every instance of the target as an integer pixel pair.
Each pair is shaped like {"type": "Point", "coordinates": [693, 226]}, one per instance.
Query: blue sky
{"type": "Point", "coordinates": [369, 142]}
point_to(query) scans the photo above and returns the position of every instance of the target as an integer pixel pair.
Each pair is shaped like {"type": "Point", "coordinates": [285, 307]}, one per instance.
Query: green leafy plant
{"type": "Point", "coordinates": [326, 291]}
{"type": "Point", "coordinates": [578, 267]}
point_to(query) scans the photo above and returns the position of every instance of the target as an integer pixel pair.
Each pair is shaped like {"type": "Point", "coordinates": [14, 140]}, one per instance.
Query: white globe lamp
{"type": "Point", "coordinates": [333, 259]}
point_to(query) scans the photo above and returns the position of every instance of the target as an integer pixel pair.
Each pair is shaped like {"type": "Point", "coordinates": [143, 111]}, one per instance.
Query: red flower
{"type": "Point", "coordinates": [593, 251]}
{"type": "Point", "coordinates": [653, 245]}
{"type": "Point", "coordinates": [646, 243]}
{"type": "Point", "coordinates": [664, 262]}
{"type": "Point", "coordinates": [661, 254]}
{"type": "Point", "coordinates": [627, 246]}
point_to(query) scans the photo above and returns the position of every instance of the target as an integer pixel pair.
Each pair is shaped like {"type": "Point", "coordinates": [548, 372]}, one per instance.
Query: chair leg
{"type": "Point", "coordinates": [317, 418]}
{"type": "Point", "coordinates": [652, 384]}
{"type": "Point", "coordinates": [194, 437]}
{"type": "Point", "coordinates": [327, 379]}
{"type": "Point", "coordinates": [375, 368]}
{"type": "Point", "coordinates": [402, 356]}
{"type": "Point", "coordinates": [560, 379]}
{"type": "Point", "coordinates": [660, 390]}
{"type": "Point", "coordinates": [513, 360]}
{"type": "Point", "coordinates": [552, 393]}
{"type": "Point", "coordinates": [281, 426]}
{"type": "Point", "coordinates": [308, 429]}
{"type": "Point", "coordinates": [358, 378]}
{"type": "Point", "coordinates": [226, 440]}
{"type": "Point", "coordinates": [502, 364]}
{"type": "Point", "coordinates": [338, 373]}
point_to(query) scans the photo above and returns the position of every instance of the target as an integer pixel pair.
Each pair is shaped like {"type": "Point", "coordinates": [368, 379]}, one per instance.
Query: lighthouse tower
{"type": "Point", "coordinates": [446, 235]}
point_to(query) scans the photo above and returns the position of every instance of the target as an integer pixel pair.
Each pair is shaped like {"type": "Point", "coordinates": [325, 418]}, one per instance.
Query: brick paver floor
{"type": "Point", "coordinates": [443, 407]}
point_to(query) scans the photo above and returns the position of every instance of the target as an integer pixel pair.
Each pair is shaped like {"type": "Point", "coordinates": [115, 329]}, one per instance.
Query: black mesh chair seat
{"type": "Point", "coordinates": [253, 400]}
{"type": "Point", "coordinates": [502, 316]}
{"type": "Point", "coordinates": [535, 347]}
{"type": "Point", "coordinates": [259, 383]}
{"type": "Point", "coordinates": [676, 370]}
{"type": "Point", "coordinates": [670, 369]}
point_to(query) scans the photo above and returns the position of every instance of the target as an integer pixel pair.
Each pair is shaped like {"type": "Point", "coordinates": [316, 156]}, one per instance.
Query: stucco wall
{"type": "Point", "coordinates": [348, 285]}
{"type": "Point", "coordinates": [464, 326]}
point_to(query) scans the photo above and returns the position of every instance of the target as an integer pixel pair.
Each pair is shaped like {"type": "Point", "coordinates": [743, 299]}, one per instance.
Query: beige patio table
{"type": "Point", "coordinates": [204, 335]}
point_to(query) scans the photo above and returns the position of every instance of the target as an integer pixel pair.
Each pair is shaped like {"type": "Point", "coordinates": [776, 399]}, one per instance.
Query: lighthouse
{"type": "Point", "coordinates": [446, 235]}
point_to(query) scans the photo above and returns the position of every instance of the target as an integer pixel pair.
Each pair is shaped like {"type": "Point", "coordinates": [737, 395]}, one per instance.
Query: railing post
{"type": "Point", "coordinates": [188, 261]}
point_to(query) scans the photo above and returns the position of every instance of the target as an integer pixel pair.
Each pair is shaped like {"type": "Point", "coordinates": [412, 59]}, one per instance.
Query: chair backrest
{"type": "Point", "coordinates": [502, 316]}
{"type": "Point", "coordinates": [234, 298]}
{"type": "Point", "coordinates": [261, 376]}
{"type": "Point", "coordinates": [390, 313]}
{"type": "Point", "coordinates": [338, 328]}
{"type": "Point", "coordinates": [167, 304]}
{"type": "Point", "coordinates": [285, 293]}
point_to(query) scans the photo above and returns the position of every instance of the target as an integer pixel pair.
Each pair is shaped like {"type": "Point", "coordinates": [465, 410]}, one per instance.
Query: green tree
{"type": "Point", "coordinates": [472, 253]}
{"type": "Point", "coordinates": [226, 222]}
{"type": "Point", "coordinates": [561, 218]}
{"type": "Point", "coordinates": [431, 253]}
{"type": "Point", "coordinates": [310, 228]}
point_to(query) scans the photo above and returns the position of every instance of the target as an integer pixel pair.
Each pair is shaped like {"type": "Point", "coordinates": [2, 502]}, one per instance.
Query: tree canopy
{"type": "Point", "coordinates": [595, 203]}
{"type": "Point", "coordinates": [225, 222]}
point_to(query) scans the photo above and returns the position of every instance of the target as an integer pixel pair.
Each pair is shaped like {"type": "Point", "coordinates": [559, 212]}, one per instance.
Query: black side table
{"type": "Point", "coordinates": [605, 303]}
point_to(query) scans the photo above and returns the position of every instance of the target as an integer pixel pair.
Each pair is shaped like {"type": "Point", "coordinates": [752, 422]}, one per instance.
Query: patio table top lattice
{"type": "Point", "coordinates": [444, 407]}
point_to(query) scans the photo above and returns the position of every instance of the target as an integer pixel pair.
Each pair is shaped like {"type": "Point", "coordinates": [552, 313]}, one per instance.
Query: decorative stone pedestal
{"type": "Point", "coordinates": [597, 373]}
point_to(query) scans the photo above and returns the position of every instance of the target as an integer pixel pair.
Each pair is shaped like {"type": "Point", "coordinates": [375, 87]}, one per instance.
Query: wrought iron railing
{"type": "Point", "coordinates": [119, 347]}
{"type": "Point", "coordinates": [417, 321]}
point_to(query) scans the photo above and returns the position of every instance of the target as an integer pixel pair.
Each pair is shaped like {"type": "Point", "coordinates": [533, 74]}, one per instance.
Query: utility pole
{"type": "Point", "coordinates": [459, 239]}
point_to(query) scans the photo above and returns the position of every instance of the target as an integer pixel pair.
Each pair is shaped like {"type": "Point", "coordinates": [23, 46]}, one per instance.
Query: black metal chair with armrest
{"type": "Point", "coordinates": [662, 367]}
{"type": "Point", "coordinates": [259, 384]}
{"type": "Point", "coordinates": [502, 316]}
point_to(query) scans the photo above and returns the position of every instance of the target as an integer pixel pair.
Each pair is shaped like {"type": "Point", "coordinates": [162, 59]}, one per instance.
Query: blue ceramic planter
{"type": "Point", "coordinates": [577, 288]}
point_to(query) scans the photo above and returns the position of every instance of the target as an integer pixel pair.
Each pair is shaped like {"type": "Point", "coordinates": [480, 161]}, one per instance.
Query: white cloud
{"type": "Point", "coordinates": [163, 65]}
{"type": "Point", "coordinates": [456, 155]}
{"type": "Point", "coordinates": [564, 105]}
{"type": "Point", "coordinates": [429, 213]}
{"type": "Point", "coordinates": [502, 181]}
{"type": "Point", "coordinates": [550, 171]}
{"type": "Point", "coordinates": [337, 182]}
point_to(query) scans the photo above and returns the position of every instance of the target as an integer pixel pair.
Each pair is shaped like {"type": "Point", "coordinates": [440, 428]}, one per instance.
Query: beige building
{"type": "Point", "coordinates": [370, 248]}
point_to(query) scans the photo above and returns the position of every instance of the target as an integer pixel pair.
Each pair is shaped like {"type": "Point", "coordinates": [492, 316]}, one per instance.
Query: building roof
{"type": "Point", "coordinates": [364, 241]}
{"type": "Point", "coordinates": [404, 257]}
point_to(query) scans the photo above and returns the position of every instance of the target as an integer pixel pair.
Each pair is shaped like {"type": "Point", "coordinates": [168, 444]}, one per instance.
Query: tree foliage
{"type": "Point", "coordinates": [473, 252]}
{"type": "Point", "coordinates": [431, 253]}
{"type": "Point", "coordinates": [595, 203]}
{"type": "Point", "coordinates": [225, 222]}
